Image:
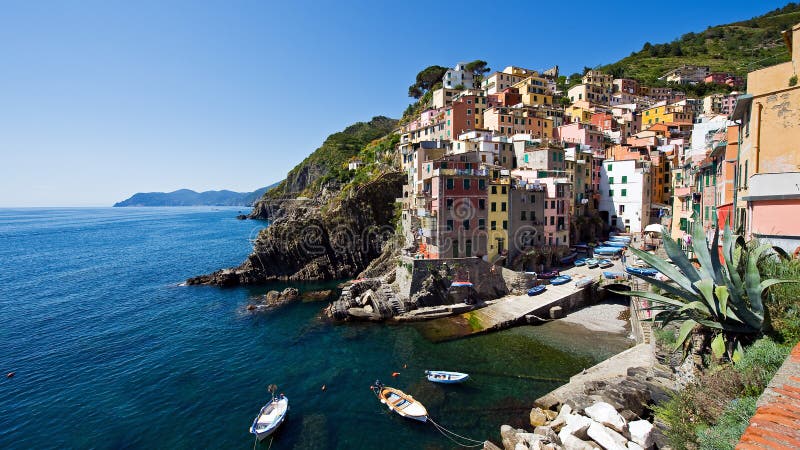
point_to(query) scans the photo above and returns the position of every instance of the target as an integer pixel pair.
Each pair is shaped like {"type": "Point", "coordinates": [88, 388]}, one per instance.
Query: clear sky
{"type": "Point", "coordinates": [103, 99]}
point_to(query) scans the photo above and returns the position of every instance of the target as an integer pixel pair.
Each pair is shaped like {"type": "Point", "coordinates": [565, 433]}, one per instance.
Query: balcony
{"type": "Point", "coordinates": [683, 191]}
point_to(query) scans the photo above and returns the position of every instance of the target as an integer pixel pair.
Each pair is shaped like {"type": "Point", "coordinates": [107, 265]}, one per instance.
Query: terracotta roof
{"type": "Point", "coordinates": [776, 424]}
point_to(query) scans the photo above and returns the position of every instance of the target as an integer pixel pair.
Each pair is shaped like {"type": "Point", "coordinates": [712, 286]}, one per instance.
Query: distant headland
{"type": "Point", "coordinates": [188, 197]}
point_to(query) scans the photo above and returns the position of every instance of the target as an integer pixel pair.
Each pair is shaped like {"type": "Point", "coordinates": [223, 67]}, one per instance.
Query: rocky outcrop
{"type": "Point", "coordinates": [311, 240]}
{"type": "Point", "coordinates": [275, 298]}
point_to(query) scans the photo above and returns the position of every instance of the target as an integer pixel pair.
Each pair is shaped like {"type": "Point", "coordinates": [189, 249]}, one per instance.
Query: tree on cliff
{"type": "Point", "coordinates": [427, 79]}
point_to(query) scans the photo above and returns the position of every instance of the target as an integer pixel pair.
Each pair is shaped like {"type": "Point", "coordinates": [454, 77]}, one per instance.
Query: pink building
{"type": "Point", "coordinates": [579, 133]}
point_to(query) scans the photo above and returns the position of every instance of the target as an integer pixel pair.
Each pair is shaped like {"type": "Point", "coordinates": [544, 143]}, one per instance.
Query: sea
{"type": "Point", "coordinates": [110, 351]}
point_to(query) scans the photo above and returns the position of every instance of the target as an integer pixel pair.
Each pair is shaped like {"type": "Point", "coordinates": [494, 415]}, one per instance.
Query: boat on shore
{"type": "Point", "coordinates": [583, 282]}
{"type": "Point", "coordinates": [615, 275]}
{"type": "Point", "coordinates": [605, 263]}
{"type": "Point", "coordinates": [608, 250]}
{"type": "Point", "coordinates": [616, 244]}
{"type": "Point", "coordinates": [446, 377]}
{"type": "Point", "coordinates": [580, 262]}
{"type": "Point", "coordinates": [561, 279]}
{"type": "Point", "coordinates": [569, 258]}
{"type": "Point", "coordinates": [536, 290]}
{"type": "Point", "coordinates": [400, 402]}
{"type": "Point", "coordinates": [641, 271]}
{"type": "Point", "coordinates": [592, 263]}
{"type": "Point", "coordinates": [270, 417]}
{"type": "Point", "coordinates": [548, 275]}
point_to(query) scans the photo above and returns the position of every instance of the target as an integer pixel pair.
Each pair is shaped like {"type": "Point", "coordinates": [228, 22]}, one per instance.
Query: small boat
{"type": "Point", "coordinates": [592, 263]}
{"type": "Point", "coordinates": [270, 417]}
{"type": "Point", "coordinates": [548, 275]}
{"type": "Point", "coordinates": [569, 258]}
{"type": "Point", "coordinates": [461, 284]}
{"type": "Point", "coordinates": [641, 271]}
{"type": "Point", "coordinates": [614, 275]}
{"type": "Point", "coordinates": [607, 250]}
{"type": "Point", "coordinates": [620, 238]}
{"type": "Point", "coordinates": [580, 262]}
{"type": "Point", "coordinates": [536, 290]}
{"type": "Point", "coordinates": [445, 377]}
{"type": "Point", "coordinates": [400, 402]}
{"type": "Point", "coordinates": [606, 263]}
{"type": "Point", "coordinates": [616, 244]}
{"type": "Point", "coordinates": [561, 279]}
{"type": "Point", "coordinates": [583, 282]}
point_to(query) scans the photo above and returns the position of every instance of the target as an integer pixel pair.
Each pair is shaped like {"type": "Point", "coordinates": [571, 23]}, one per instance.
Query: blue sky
{"type": "Point", "coordinates": [102, 99]}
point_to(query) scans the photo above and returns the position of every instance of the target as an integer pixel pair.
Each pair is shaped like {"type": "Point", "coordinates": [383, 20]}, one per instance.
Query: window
{"type": "Point", "coordinates": [610, 180]}
{"type": "Point", "coordinates": [533, 199]}
{"type": "Point", "coordinates": [481, 204]}
{"type": "Point", "coordinates": [482, 184]}
{"type": "Point", "coordinates": [493, 207]}
{"type": "Point", "coordinates": [503, 190]}
{"type": "Point", "coordinates": [552, 204]}
{"type": "Point", "coordinates": [450, 183]}
{"type": "Point", "coordinates": [493, 225]}
{"type": "Point", "coordinates": [624, 179]}
{"type": "Point", "coordinates": [707, 213]}
{"type": "Point", "coordinates": [449, 203]}
{"type": "Point", "coordinates": [610, 192]}
{"type": "Point", "coordinates": [609, 167]}
{"type": "Point", "coordinates": [449, 225]}
{"type": "Point", "coordinates": [624, 192]}
{"type": "Point", "coordinates": [503, 206]}
{"type": "Point", "coordinates": [621, 209]}
{"type": "Point", "coordinates": [505, 224]}
{"type": "Point", "coordinates": [552, 220]}
{"type": "Point", "coordinates": [466, 184]}
{"type": "Point", "coordinates": [494, 189]}
{"type": "Point", "coordinates": [481, 224]}
{"type": "Point", "coordinates": [465, 224]}
{"type": "Point", "coordinates": [523, 216]}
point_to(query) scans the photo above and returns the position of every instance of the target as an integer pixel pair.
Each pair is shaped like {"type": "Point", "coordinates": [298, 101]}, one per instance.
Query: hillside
{"type": "Point", "coordinates": [329, 161]}
{"type": "Point", "coordinates": [188, 197]}
{"type": "Point", "coordinates": [737, 48]}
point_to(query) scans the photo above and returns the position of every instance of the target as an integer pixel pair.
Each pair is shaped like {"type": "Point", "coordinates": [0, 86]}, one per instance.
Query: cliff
{"type": "Point", "coordinates": [318, 239]}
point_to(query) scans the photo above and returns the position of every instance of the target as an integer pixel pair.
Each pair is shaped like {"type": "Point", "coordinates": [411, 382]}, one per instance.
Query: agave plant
{"type": "Point", "coordinates": [723, 297]}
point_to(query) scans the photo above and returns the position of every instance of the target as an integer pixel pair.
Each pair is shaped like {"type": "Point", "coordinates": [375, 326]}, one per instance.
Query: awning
{"type": "Point", "coordinates": [653, 228]}
{"type": "Point", "coordinates": [742, 106]}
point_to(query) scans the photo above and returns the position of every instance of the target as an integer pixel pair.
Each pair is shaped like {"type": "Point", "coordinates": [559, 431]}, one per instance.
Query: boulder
{"type": "Point", "coordinates": [641, 433]}
{"type": "Point", "coordinates": [289, 294]}
{"type": "Point", "coordinates": [547, 433]}
{"type": "Point", "coordinates": [576, 425]}
{"type": "Point", "coordinates": [560, 420]}
{"type": "Point", "coordinates": [487, 445]}
{"type": "Point", "coordinates": [318, 296]}
{"type": "Point", "coordinates": [607, 415]}
{"type": "Point", "coordinates": [634, 446]}
{"type": "Point", "coordinates": [538, 417]}
{"type": "Point", "coordinates": [570, 442]}
{"type": "Point", "coordinates": [509, 436]}
{"type": "Point", "coordinates": [578, 402]}
{"type": "Point", "coordinates": [606, 437]}
{"type": "Point", "coordinates": [521, 446]}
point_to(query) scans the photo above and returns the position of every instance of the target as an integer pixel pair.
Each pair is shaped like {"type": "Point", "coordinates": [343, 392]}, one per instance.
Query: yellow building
{"type": "Point", "coordinates": [579, 112]}
{"type": "Point", "coordinates": [499, 204]}
{"type": "Point", "coordinates": [663, 113]}
{"type": "Point", "coordinates": [534, 91]}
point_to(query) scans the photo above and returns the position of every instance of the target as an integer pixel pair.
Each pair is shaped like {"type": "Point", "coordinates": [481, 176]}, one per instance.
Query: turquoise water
{"type": "Point", "coordinates": [110, 352]}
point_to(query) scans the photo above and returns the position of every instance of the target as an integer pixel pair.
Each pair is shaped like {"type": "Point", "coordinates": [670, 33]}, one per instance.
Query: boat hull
{"type": "Point", "coordinates": [445, 377]}
{"type": "Point", "coordinates": [263, 430]}
{"type": "Point", "coordinates": [402, 404]}
{"type": "Point", "coordinates": [563, 279]}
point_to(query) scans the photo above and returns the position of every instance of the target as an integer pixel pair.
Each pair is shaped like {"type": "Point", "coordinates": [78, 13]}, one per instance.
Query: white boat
{"type": "Point", "coordinates": [270, 417]}
{"type": "Point", "coordinates": [400, 402]}
{"type": "Point", "coordinates": [445, 377]}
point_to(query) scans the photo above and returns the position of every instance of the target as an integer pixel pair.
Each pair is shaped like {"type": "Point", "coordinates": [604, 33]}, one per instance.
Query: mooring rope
{"type": "Point", "coordinates": [449, 435]}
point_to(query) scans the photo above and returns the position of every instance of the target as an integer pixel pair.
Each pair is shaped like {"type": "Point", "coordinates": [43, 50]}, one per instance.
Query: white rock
{"type": "Point", "coordinates": [634, 446]}
{"type": "Point", "coordinates": [570, 442]}
{"type": "Point", "coordinates": [606, 414]}
{"type": "Point", "coordinates": [576, 425]}
{"type": "Point", "coordinates": [606, 437]}
{"type": "Point", "coordinates": [641, 433]}
{"type": "Point", "coordinates": [520, 446]}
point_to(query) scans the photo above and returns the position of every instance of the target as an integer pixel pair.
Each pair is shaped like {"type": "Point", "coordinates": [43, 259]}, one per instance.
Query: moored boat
{"type": "Point", "coordinates": [536, 290]}
{"type": "Point", "coordinates": [592, 263]}
{"type": "Point", "coordinates": [580, 262]}
{"type": "Point", "coordinates": [641, 271]}
{"type": "Point", "coordinates": [605, 263]}
{"type": "Point", "coordinates": [400, 402]}
{"type": "Point", "coordinates": [446, 377]}
{"type": "Point", "coordinates": [270, 417]}
{"type": "Point", "coordinates": [561, 279]}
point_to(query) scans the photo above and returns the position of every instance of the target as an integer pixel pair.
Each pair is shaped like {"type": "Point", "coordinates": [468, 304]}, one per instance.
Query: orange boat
{"type": "Point", "coordinates": [400, 402]}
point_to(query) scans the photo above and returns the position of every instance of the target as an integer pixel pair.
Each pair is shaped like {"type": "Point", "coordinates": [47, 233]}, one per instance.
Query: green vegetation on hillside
{"type": "Point", "coordinates": [737, 48]}
{"type": "Point", "coordinates": [330, 160]}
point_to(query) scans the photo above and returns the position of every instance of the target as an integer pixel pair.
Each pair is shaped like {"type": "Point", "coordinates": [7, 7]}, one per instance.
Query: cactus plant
{"type": "Point", "coordinates": [722, 297]}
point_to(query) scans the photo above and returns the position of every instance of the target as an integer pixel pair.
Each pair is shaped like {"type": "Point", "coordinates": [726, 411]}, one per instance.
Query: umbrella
{"type": "Point", "coordinates": [653, 228]}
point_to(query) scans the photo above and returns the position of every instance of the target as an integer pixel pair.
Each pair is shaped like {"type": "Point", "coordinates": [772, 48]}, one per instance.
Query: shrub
{"type": "Point", "coordinates": [782, 306]}
{"type": "Point", "coordinates": [665, 336]}
{"type": "Point", "coordinates": [729, 427]}
{"type": "Point", "coordinates": [759, 364]}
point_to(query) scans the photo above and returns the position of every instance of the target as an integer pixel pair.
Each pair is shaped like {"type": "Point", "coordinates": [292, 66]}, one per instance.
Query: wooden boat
{"type": "Point", "coordinates": [270, 417]}
{"type": "Point", "coordinates": [607, 250]}
{"type": "Point", "coordinates": [569, 258]}
{"type": "Point", "coordinates": [583, 282]}
{"type": "Point", "coordinates": [445, 377]}
{"type": "Point", "coordinates": [592, 263]}
{"type": "Point", "coordinates": [614, 275]}
{"type": "Point", "coordinates": [641, 271]}
{"type": "Point", "coordinates": [548, 275]}
{"type": "Point", "coordinates": [561, 279]}
{"type": "Point", "coordinates": [536, 290]}
{"type": "Point", "coordinates": [580, 262]}
{"type": "Point", "coordinates": [400, 402]}
{"type": "Point", "coordinates": [605, 264]}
